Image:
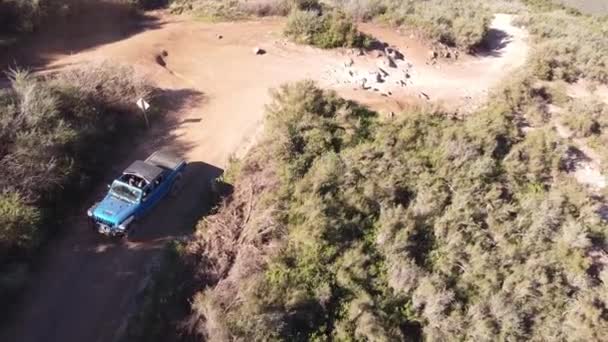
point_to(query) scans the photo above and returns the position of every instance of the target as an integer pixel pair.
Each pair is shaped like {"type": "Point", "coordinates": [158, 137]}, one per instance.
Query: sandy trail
{"type": "Point", "coordinates": [85, 287]}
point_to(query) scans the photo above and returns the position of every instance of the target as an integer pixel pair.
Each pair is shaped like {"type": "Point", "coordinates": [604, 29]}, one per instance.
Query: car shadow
{"type": "Point", "coordinates": [176, 216]}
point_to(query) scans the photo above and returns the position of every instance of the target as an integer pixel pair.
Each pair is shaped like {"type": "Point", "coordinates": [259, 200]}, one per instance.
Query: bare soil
{"type": "Point", "coordinates": [86, 286]}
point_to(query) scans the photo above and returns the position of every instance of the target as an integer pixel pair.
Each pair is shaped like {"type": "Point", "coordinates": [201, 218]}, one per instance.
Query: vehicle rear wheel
{"type": "Point", "coordinates": [177, 185]}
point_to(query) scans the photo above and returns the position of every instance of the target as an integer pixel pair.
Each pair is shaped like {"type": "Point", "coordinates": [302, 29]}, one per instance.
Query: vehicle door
{"type": "Point", "coordinates": [153, 193]}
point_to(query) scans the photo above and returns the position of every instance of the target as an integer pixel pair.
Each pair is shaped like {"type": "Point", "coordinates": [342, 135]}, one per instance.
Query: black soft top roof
{"type": "Point", "coordinates": [144, 170]}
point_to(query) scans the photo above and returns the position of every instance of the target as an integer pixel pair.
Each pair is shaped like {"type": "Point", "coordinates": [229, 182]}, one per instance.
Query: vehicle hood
{"type": "Point", "coordinates": [114, 210]}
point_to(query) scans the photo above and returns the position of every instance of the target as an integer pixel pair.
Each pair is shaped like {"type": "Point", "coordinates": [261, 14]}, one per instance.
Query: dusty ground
{"type": "Point", "coordinates": [85, 286]}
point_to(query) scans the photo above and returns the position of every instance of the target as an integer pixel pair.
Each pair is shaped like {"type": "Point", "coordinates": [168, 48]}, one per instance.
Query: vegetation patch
{"type": "Point", "coordinates": [569, 46]}
{"type": "Point", "coordinates": [330, 29]}
{"type": "Point", "coordinates": [347, 227]}
{"type": "Point", "coordinates": [216, 10]}
{"type": "Point", "coordinates": [461, 23]}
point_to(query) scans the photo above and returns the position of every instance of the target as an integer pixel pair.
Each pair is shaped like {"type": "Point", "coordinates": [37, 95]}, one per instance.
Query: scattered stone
{"type": "Point", "coordinates": [395, 54]}
{"type": "Point", "coordinates": [160, 61]}
{"type": "Point", "coordinates": [259, 51]}
{"type": "Point", "coordinates": [391, 62]}
{"type": "Point", "coordinates": [383, 72]}
{"type": "Point", "coordinates": [433, 54]}
{"type": "Point", "coordinates": [424, 95]}
{"type": "Point", "coordinates": [349, 62]}
{"type": "Point", "coordinates": [164, 53]}
{"type": "Point", "coordinates": [379, 78]}
{"type": "Point", "coordinates": [219, 36]}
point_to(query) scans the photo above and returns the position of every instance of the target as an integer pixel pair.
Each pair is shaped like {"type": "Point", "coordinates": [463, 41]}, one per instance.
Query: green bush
{"type": "Point", "coordinates": [328, 30]}
{"type": "Point", "coordinates": [424, 227]}
{"type": "Point", "coordinates": [19, 223]}
{"type": "Point", "coordinates": [237, 9]}
{"type": "Point", "coordinates": [569, 46]}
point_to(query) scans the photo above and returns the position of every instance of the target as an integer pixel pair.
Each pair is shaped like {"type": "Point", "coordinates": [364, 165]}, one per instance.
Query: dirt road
{"type": "Point", "coordinates": [86, 286]}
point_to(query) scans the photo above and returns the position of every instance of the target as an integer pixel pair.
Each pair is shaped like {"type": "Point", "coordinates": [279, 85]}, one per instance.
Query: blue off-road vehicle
{"type": "Point", "coordinates": [141, 186]}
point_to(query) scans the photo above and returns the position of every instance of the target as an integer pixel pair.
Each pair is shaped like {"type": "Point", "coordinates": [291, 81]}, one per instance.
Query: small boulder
{"type": "Point", "coordinates": [258, 51]}
{"type": "Point", "coordinates": [379, 78]}
{"type": "Point", "coordinates": [397, 55]}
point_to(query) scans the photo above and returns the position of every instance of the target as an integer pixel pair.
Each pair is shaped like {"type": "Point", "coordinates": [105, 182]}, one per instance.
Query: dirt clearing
{"type": "Point", "coordinates": [86, 287]}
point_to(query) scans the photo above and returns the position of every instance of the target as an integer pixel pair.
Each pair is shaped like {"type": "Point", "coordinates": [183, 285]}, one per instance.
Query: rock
{"type": "Point", "coordinates": [164, 53]}
{"type": "Point", "coordinates": [433, 54]}
{"type": "Point", "coordinates": [259, 51]}
{"type": "Point", "coordinates": [386, 63]}
{"type": "Point", "coordinates": [363, 83]}
{"type": "Point", "coordinates": [424, 95]}
{"type": "Point", "coordinates": [160, 61]}
{"type": "Point", "coordinates": [383, 72]}
{"type": "Point", "coordinates": [349, 62]}
{"type": "Point", "coordinates": [219, 36]}
{"type": "Point", "coordinates": [379, 78]}
{"type": "Point", "coordinates": [394, 54]}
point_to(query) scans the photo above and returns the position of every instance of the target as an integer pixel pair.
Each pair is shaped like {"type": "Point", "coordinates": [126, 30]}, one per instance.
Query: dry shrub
{"type": "Point", "coordinates": [232, 9]}
{"type": "Point", "coordinates": [234, 245]}
{"type": "Point", "coordinates": [117, 86]}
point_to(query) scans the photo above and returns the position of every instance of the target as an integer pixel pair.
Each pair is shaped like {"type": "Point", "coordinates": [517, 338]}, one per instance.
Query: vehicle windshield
{"type": "Point", "coordinates": [125, 192]}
